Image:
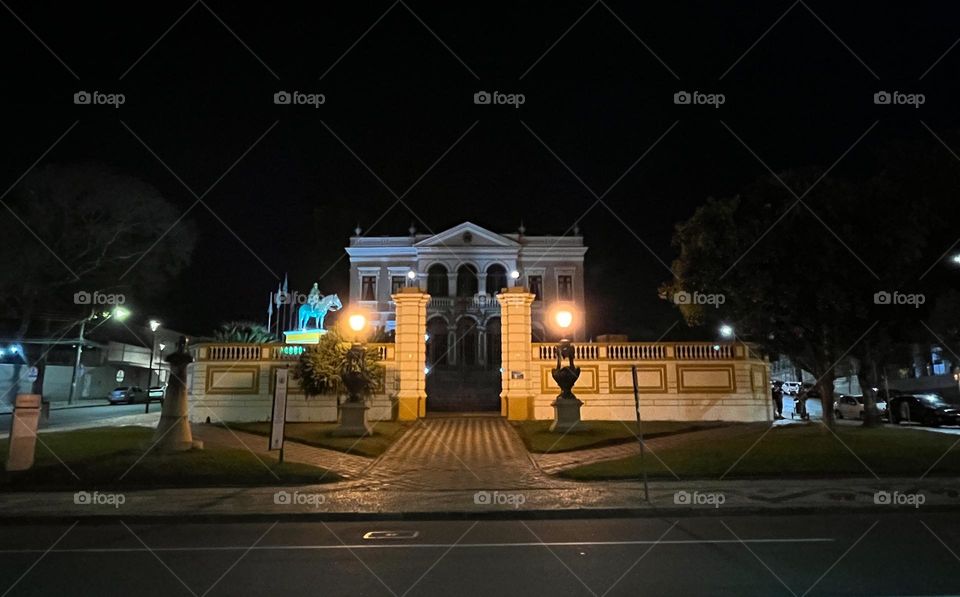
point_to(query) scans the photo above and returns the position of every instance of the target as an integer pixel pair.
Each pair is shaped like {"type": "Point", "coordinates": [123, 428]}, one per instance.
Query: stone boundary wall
{"type": "Point", "coordinates": [676, 381]}
{"type": "Point", "coordinates": [234, 382]}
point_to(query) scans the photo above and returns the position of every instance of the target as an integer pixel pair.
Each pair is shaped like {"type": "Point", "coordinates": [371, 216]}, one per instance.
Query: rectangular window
{"type": "Point", "coordinates": [565, 288]}
{"type": "Point", "coordinates": [368, 288]}
{"type": "Point", "coordinates": [536, 286]}
{"type": "Point", "coordinates": [396, 283]}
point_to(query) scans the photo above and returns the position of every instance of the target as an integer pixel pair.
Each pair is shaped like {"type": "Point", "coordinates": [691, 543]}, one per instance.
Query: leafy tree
{"type": "Point", "coordinates": [318, 370]}
{"type": "Point", "coordinates": [791, 272]}
{"type": "Point", "coordinates": [86, 227]}
{"type": "Point", "coordinates": [244, 332]}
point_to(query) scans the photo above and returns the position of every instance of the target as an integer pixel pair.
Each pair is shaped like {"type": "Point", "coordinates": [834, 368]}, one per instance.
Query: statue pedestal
{"type": "Point", "coordinates": [353, 420]}
{"type": "Point", "coordinates": [303, 336]}
{"type": "Point", "coordinates": [566, 415]}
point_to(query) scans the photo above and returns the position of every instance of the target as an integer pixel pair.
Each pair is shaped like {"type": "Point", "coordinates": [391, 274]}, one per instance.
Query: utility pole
{"type": "Point", "coordinates": [76, 363]}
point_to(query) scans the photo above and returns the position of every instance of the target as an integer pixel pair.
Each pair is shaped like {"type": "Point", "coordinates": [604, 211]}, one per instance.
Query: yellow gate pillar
{"type": "Point", "coordinates": [411, 352]}
{"type": "Point", "coordinates": [517, 377]}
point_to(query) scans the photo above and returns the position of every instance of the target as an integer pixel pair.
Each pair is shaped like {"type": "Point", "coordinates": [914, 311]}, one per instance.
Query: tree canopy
{"type": "Point", "coordinates": [85, 227]}
{"type": "Point", "coordinates": [822, 268]}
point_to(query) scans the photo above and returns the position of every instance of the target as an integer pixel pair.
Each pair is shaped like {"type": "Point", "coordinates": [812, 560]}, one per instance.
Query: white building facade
{"type": "Point", "coordinates": [462, 269]}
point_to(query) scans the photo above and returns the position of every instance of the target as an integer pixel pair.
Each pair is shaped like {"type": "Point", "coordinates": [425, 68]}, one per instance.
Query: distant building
{"type": "Point", "coordinates": [462, 269]}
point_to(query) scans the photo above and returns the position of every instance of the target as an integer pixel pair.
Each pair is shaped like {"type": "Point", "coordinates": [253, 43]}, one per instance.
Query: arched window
{"type": "Point", "coordinates": [494, 357]}
{"type": "Point", "coordinates": [466, 342]}
{"type": "Point", "coordinates": [466, 280]}
{"type": "Point", "coordinates": [437, 342]}
{"type": "Point", "coordinates": [437, 281]}
{"type": "Point", "coordinates": [496, 279]}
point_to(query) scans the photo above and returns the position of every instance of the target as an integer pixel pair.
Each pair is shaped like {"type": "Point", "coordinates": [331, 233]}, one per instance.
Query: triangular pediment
{"type": "Point", "coordinates": [467, 234]}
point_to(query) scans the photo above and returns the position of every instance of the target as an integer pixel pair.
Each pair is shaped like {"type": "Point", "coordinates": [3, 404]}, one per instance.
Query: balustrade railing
{"type": "Point", "coordinates": [273, 352]}
{"type": "Point", "coordinates": [233, 352]}
{"type": "Point", "coordinates": [480, 302]}
{"type": "Point", "coordinates": [640, 351]}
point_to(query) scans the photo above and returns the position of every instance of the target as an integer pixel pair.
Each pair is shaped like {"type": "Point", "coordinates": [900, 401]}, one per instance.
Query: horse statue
{"type": "Point", "coordinates": [317, 310]}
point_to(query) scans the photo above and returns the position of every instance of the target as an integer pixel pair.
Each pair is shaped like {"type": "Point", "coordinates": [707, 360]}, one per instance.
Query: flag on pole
{"type": "Point", "coordinates": [270, 311]}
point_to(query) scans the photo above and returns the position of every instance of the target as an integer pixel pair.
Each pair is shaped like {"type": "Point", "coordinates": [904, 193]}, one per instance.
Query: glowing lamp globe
{"type": "Point", "coordinates": [121, 313]}
{"type": "Point", "coordinates": [515, 274]}
{"type": "Point", "coordinates": [357, 322]}
{"type": "Point", "coordinates": [564, 318]}
{"type": "Point", "coordinates": [412, 275]}
{"type": "Point", "coordinates": [154, 324]}
{"type": "Point", "coordinates": [726, 331]}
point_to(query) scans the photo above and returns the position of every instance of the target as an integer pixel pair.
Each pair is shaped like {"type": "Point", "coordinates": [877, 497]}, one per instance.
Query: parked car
{"type": "Point", "coordinates": [851, 407]}
{"type": "Point", "coordinates": [157, 392]}
{"type": "Point", "coordinates": [927, 409]}
{"type": "Point", "coordinates": [791, 387]}
{"type": "Point", "coordinates": [128, 395]}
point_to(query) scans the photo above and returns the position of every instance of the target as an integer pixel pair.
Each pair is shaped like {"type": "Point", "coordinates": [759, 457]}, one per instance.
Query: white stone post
{"type": "Point", "coordinates": [411, 352]}
{"type": "Point", "coordinates": [518, 378]}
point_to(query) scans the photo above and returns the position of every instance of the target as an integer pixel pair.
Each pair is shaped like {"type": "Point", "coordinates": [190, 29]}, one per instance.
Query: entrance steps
{"type": "Point", "coordinates": [463, 390]}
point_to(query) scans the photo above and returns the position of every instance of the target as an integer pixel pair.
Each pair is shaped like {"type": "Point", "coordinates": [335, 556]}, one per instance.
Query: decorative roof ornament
{"type": "Point", "coordinates": [522, 229]}
{"type": "Point", "coordinates": [412, 229]}
{"type": "Point", "coordinates": [357, 230]}
{"type": "Point", "coordinates": [576, 229]}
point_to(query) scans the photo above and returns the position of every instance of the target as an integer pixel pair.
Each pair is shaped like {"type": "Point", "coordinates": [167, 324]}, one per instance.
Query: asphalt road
{"type": "Point", "coordinates": [895, 554]}
{"type": "Point", "coordinates": [67, 417]}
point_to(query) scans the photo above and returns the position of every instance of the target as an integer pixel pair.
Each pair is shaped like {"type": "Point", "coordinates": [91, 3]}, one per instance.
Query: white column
{"type": "Point", "coordinates": [517, 393]}
{"type": "Point", "coordinates": [451, 283]}
{"type": "Point", "coordinates": [410, 348]}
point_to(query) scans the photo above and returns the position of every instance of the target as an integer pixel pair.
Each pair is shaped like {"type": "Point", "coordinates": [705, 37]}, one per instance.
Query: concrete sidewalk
{"type": "Point", "coordinates": [355, 499]}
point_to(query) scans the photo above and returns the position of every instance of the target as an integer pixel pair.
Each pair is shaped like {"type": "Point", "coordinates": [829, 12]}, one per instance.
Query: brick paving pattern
{"type": "Point", "coordinates": [348, 466]}
{"type": "Point", "coordinates": [476, 452]}
{"type": "Point", "coordinates": [554, 463]}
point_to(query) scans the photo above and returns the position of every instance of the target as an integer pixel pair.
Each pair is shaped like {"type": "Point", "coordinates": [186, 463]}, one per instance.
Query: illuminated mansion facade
{"type": "Point", "coordinates": [462, 269]}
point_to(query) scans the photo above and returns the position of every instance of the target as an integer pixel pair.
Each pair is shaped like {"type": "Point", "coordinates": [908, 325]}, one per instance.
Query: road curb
{"type": "Point", "coordinates": [568, 514]}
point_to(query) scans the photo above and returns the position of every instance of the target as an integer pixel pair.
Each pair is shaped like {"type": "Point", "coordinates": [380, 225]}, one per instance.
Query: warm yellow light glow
{"type": "Point", "coordinates": [564, 318]}
{"type": "Point", "coordinates": [357, 322]}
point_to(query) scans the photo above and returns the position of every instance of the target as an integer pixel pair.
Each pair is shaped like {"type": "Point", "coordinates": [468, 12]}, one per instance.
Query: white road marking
{"type": "Point", "coordinates": [420, 545]}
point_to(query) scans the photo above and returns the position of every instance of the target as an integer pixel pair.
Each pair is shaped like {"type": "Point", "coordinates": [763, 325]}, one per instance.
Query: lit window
{"type": "Point", "coordinates": [368, 288]}
{"type": "Point", "coordinates": [536, 286]}
{"type": "Point", "coordinates": [565, 288]}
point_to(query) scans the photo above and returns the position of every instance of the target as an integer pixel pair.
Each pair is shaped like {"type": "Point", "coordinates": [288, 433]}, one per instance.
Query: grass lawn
{"type": "Point", "coordinates": [318, 434]}
{"type": "Point", "coordinates": [101, 456]}
{"type": "Point", "coordinates": [538, 438]}
{"type": "Point", "coordinates": [792, 451]}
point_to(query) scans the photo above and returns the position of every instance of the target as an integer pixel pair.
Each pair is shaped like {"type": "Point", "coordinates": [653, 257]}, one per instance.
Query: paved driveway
{"type": "Point", "coordinates": [462, 452]}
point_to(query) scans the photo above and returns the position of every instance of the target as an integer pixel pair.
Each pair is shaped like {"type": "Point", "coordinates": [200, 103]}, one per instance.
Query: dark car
{"type": "Point", "coordinates": [127, 394]}
{"type": "Point", "coordinates": [927, 409]}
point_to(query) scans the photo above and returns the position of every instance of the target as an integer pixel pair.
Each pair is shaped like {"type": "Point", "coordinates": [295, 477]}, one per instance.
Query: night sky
{"type": "Point", "coordinates": [399, 79]}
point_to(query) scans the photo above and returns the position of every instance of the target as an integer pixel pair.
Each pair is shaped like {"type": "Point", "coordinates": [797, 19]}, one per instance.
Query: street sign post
{"type": "Point", "coordinates": [636, 403]}
{"type": "Point", "coordinates": [279, 417]}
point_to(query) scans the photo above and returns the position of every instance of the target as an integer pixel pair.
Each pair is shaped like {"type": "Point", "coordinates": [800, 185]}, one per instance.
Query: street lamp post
{"type": "Point", "coordinates": [566, 407]}
{"type": "Point", "coordinates": [119, 312]}
{"type": "Point", "coordinates": [353, 411]}
{"type": "Point", "coordinates": [154, 324]}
